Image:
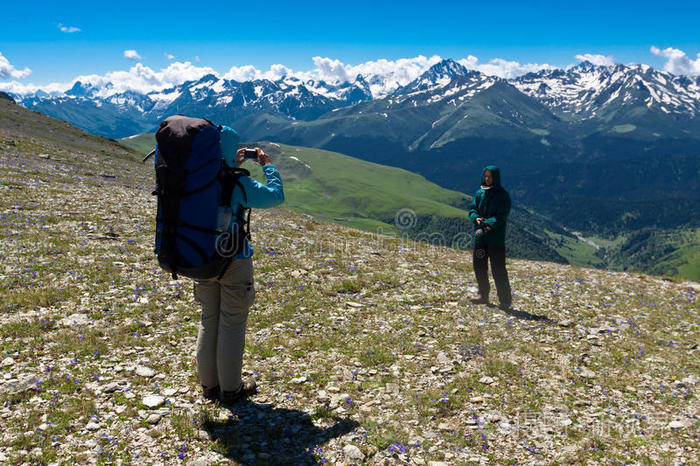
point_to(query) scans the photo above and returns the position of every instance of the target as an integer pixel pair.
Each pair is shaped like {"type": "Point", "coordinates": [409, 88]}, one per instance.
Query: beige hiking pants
{"type": "Point", "coordinates": [221, 338]}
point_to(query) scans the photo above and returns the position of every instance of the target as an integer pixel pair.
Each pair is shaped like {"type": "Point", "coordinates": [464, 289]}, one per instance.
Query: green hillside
{"type": "Point", "coordinates": [143, 143]}
{"type": "Point", "coordinates": [372, 197]}
{"type": "Point", "coordinates": [345, 189]}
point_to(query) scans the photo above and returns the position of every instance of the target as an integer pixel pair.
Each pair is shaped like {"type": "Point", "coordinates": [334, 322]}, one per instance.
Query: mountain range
{"type": "Point", "coordinates": [582, 93]}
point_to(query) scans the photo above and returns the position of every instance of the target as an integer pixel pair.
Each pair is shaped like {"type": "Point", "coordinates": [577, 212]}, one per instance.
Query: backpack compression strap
{"type": "Point", "coordinates": [230, 178]}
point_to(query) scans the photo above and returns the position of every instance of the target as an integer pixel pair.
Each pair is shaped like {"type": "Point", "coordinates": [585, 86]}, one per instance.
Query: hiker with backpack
{"type": "Point", "coordinates": [489, 213]}
{"type": "Point", "coordinates": [204, 202]}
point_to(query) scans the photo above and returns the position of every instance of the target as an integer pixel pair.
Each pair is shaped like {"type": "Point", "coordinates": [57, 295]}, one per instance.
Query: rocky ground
{"type": "Point", "coordinates": [365, 348]}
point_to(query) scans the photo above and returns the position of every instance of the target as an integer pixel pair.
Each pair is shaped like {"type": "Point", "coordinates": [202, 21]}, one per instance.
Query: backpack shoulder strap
{"type": "Point", "coordinates": [230, 178]}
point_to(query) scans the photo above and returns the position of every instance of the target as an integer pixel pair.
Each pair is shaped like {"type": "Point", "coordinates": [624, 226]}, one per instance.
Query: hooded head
{"type": "Point", "coordinates": [229, 145]}
{"type": "Point", "coordinates": [495, 175]}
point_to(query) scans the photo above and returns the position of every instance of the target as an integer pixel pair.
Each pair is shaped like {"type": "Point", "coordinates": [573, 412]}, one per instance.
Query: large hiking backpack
{"type": "Point", "coordinates": [194, 187]}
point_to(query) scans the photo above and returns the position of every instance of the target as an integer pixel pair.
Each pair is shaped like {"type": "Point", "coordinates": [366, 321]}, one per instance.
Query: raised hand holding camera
{"type": "Point", "coordinates": [256, 154]}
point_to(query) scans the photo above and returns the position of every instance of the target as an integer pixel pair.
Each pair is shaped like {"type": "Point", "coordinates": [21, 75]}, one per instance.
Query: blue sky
{"type": "Point", "coordinates": [220, 35]}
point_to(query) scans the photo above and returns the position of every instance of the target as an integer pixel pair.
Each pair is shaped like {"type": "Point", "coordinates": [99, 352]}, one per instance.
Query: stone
{"type": "Point", "coordinates": [111, 387]}
{"type": "Point", "coordinates": [21, 384]}
{"type": "Point", "coordinates": [322, 396]}
{"type": "Point", "coordinates": [340, 400]}
{"type": "Point", "coordinates": [74, 319]}
{"type": "Point", "coordinates": [675, 425]}
{"type": "Point", "coordinates": [153, 401]}
{"type": "Point", "coordinates": [586, 373]}
{"type": "Point", "coordinates": [145, 371]}
{"type": "Point", "coordinates": [392, 388]}
{"type": "Point", "coordinates": [477, 399]}
{"type": "Point", "coordinates": [487, 380]}
{"type": "Point", "coordinates": [353, 454]}
{"type": "Point", "coordinates": [7, 362]}
{"type": "Point", "coordinates": [92, 426]}
{"type": "Point", "coordinates": [203, 461]}
{"type": "Point", "coordinates": [154, 418]}
{"type": "Point", "coordinates": [298, 380]}
{"type": "Point", "coordinates": [437, 463]}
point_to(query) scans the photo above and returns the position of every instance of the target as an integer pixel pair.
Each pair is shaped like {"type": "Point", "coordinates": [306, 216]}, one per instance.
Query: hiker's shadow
{"type": "Point", "coordinates": [261, 434]}
{"type": "Point", "coordinates": [524, 315]}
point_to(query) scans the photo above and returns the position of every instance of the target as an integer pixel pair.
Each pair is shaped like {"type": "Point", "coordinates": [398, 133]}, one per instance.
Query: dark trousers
{"type": "Point", "coordinates": [497, 254]}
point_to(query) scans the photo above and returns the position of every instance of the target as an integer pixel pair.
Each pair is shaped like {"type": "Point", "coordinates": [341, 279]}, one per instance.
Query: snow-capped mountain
{"type": "Point", "coordinates": [437, 76]}
{"type": "Point", "coordinates": [220, 99]}
{"type": "Point", "coordinates": [637, 95]}
{"type": "Point", "coordinates": [586, 90]}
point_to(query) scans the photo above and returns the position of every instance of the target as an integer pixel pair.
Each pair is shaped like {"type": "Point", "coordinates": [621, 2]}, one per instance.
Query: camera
{"type": "Point", "coordinates": [250, 154]}
{"type": "Point", "coordinates": [482, 230]}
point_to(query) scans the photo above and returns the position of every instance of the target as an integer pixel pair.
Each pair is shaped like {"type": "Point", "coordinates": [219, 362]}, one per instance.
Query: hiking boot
{"type": "Point", "coordinates": [505, 306]}
{"type": "Point", "coordinates": [249, 388]}
{"type": "Point", "coordinates": [210, 393]}
{"type": "Point", "coordinates": [480, 299]}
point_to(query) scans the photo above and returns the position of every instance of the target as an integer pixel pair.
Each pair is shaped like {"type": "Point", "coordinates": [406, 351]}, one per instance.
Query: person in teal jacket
{"type": "Point", "coordinates": [226, 300]}
{"type": "Point", "coordinates": [489, 213]}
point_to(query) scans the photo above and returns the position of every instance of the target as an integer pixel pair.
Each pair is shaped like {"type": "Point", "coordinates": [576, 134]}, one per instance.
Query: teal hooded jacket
{"type": "Point", "coordinates": [492, 203]}
{"type": "Point", "coordinates": [257, 195]}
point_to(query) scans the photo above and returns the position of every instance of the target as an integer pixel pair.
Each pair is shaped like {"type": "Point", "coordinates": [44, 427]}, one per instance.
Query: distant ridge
{"type": "Point", "coordinates": [6, 96]}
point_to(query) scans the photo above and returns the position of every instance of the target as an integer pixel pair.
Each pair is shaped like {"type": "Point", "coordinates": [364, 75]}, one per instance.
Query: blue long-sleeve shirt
{"type": "Point", "coordinates": [258, 196]}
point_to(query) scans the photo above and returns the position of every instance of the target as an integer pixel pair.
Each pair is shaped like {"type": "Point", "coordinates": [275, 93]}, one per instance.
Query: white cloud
{"type": "Point", "coordinates": [169, 56]}
{"type": "Point", "coordinates": [141, 78]}
{"type": "Point", "coordinates": [503, 68]}
{"type": "Point", "coordinates": [249, 73]}
{"type": "Point", "coordinates": [138, 78]}
{"type": "Point", "coordinates": [132, 55]}
{"type": "Point", "coordinates": [17, 88]}
{"type": "Point", "coordinates": [331, 70]}
{"type": "Point", "coordinates": [677, 62]}
{"type": "Point", "coordinates": [383, 75]}
{"type": "Point", "coordinates": [7, 70]}
{"type": "Point", "coordinates": [598, 60]}
{"type": "Point", "coordinates": [68, 29]}
{"type": "Point", "coordinates": [243, 73]}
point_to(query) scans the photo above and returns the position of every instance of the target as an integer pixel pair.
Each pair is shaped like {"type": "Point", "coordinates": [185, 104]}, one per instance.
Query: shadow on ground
{"type": "Point", "coordinates": [258, 433]}
{"type": "Point", "coordinates": [526, 315]}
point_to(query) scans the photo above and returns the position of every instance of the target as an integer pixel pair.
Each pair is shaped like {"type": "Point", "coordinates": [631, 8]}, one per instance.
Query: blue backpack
{"type": "Point", "coordinates": [194, 187]}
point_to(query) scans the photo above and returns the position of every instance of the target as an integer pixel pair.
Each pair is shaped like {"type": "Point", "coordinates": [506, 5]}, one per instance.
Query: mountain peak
{"type": "Point", "coordinates": [207, 78]}
{"type": "Point", "coordinates": [82, 90]}
{"type": "Point", "coordinates": [447, 68]}
{"type": "Point", "coordinates": [438, 75]}
{"type": "Point", "coordinates": [587, 67]}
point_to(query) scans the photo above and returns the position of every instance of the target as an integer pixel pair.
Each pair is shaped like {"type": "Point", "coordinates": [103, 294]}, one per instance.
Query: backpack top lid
{"type": "Point", "coordinates": [180, 130]}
